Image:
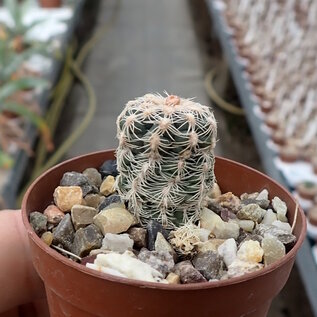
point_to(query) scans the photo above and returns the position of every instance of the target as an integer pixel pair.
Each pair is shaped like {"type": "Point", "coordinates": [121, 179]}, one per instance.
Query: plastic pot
{"type": "Point", "coordinates": [50, 3]}
{"type": "Point", "coordinates": [74, 290]}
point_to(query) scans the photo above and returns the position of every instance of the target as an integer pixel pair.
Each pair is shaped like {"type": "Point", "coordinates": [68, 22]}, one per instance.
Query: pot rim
{"type": "Point", "coordinates": [154, 285]}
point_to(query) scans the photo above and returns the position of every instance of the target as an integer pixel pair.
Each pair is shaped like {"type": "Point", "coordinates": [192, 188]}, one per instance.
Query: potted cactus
{"type": "Point", "coordinates": [166, 165]}
{"type": "Point", "coordinates": [165, 158]}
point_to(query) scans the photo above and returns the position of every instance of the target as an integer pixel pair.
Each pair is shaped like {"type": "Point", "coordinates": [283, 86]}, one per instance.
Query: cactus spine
{"type": "Point", "coordinates": [165, 158]}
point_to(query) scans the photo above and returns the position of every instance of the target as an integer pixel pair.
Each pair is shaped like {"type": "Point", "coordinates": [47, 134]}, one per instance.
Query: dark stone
{"type": "Point", "coordinates": [109, 200]}
{"type": "Point", "coordinates": [209, 264]}
{"type": "Point", "coordinates": [153, 227]}
{"type": "Point", "coordinates": [187, 273]}
{"type": "Point", "coordinates": [138, 235]}
{"type": "Point", "coordinates": [38, 222]}
{"type": "Point", "coordinates": [226, 215]}
{"type": "Point", "coordinates": [252, 236]}
{"type": "Point", "coordinates": [160, 261]}
{"type": "Point", "coordinates": [94, 177]}
{"type": "Point", "coordinates": [86, 239]}
{"type": "Point", "coordinates": [109, 167]}
{"type": "Point", "coordinates": [215, 207]}
{"type": "Point", "coordinates": [78, 179]}
{"type": "Point", "coordinates": [64, 233]}
{"type": "Point", "coordinates": [263, 203]}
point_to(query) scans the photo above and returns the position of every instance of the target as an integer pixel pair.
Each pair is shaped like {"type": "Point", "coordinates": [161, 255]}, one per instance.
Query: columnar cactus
{"type": "Point", "coordinates": [165, 158]}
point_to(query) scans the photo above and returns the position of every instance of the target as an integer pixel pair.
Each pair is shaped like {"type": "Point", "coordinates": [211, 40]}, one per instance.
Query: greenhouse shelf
{"type": "Point", "coordinates": [10, 190]}
{"type": "Point", "coordinates": [305, 261]}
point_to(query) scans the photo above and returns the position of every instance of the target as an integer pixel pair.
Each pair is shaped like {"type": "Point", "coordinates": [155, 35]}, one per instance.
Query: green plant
{"type": "Point", "coordinates": [165, 158]}
{"type": "Point", "coordinates": [17, 11]}
{"type": "Point", "coordinates": [11, 61]}
{"type": "Point", "coordinates": [9, 105]}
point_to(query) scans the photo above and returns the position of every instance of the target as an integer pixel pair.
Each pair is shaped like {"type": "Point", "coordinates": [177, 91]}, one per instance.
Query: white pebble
{"type": "Point", "coordinates": [282, 225]}
{"type": "Point", "coordinates": [263, 195]}
{"type": "Point", "coordinates": [129, 267]}
{"type": "Point", "coordinates": [228, 250]}
{"type": "Point", "coordinates": [250, 251]}
{"type": "Point", "coordinates": [269, 217]}
{"type": "Point", "coordinates": [279, 206]}
{"type": "Point", "coordinates": [117, 242]}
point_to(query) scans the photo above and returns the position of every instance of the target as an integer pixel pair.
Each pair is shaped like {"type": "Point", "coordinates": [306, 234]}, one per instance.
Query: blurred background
{"type": "Point", "coordinates": [68, 67]}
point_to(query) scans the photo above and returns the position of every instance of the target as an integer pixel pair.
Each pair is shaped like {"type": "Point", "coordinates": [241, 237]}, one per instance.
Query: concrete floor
{"type": "Point", "coordinates": [154, 46]}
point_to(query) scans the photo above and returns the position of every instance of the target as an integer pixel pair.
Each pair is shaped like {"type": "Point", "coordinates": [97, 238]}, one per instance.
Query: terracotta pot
{"type": "Point", "coordinates": [50, 3]}
{"type": "Point", "coordinates": [74, 290]}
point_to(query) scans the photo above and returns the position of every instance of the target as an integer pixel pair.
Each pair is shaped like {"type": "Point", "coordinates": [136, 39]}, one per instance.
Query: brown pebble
{"type": "Point", "coordinates": [65, 197]}
{"type": "Point", "coordinates": [107, 186]}
{"type": "Point", "coordinates": [47, 237]}
{"type": "Point", "coordinates": [173, 278]}
{"type": "Point", "coordinates": [53, 214]}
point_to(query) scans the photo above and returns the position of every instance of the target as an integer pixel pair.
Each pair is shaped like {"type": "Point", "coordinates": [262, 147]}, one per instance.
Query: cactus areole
{"type": "Point", "coordinates": [165, 158]}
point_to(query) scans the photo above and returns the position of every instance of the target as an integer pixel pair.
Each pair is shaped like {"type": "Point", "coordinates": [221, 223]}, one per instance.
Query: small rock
{"type": "Point", "coordinates": [162, 245]}
{"type": "Point", "coordinates": [64, 233]}
{"type": "Point", "coordinates": [47, 237]}
{"type": "Point", "coordinates": [246, 225]}
{"type": "Point", "coordinates": [82, 216]}
{"type": "Point", "coordinates": [94, 252]}
{"type": "Point", "coordinates": [173, 278]}
{"type": "Point", "coordinates": [228, 251]}
{"type": "Point", "coordinates": [160, 261]}
{"type": "Point", "coordinates": [238, 268]}
{"type": "Point", "coordinates": [209, 264]}
{"type": "Point", "coordinates": [65, 197]}
{"type": "Point", "coordinates": [77, 179]}
{"type": "Point", "coordinates": [229, 201]}
{"type": "Point", "coordinates": [282, 235]}
{"type": "Point", "coordinates": [203, 234]}
{"type": "Point", "coordinates": [250, 212]}
{"type": "Point", "coordinates": [109, 200]}
{"type": "Point", "coordinates": [219, 228]}
{"type": "Point", "coordinates": [227, 215]}
{"type": "Point", "coordinates": [53, 214]}
{"type": "Point", "coordinates": [250, 251]}
{"type": "Point", "coordinates": [94, 200]}
{"type": "Point", "coordinates": [127, 266]}
{"type": "Point", "coordinates": [273, 250]}
{"type": "Point", "coordinates": [114, 220]}
{"type": "Point", "coordinates": [187, 273]}
{"type": "Point", "coordinates": [38, 222]}
{"type": "Point", "coordinates": [264, 204]}
{"type": "Point", "coordinates": [107, 186]}
{"type": "Point", "coordinates": [210, 245]}
{"type": "Point", "coordinates": [117, 242]}
{"type": "Point", "coordinates": [253, 236]}
{"type": "Point", "coordinates": [93, 176]}
{"type": "Point", "coordinates": [279, 206]}
{"type": "Point", "coordinates": [86, 239]}
{"type": "Point", "coordinates": [109, 167]}
{"type": "Point", "coordinates": [214, 192]}
{"type": "Point", "coordinates": [282, 225]}
{"type": "Point", "coordinates": [153, 227]}
{"type": "Point", "coordinates": [282, 218]}
{"type": "Point", "coordinates": [269, 217]}
{"type": "Point", "coordinates": [263, 195]}
{"type": "Point", "coordinates": [138, 235]}
{"type": "Point", "coordinates": [252, 196]}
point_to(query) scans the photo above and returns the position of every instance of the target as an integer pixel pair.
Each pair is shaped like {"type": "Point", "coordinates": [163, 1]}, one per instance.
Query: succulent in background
{"type": "Point", "coordinates": [165, 158]}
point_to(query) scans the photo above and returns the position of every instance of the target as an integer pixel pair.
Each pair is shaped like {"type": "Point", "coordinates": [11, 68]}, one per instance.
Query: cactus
{"type": "Point", "coordinates": [165, 158]}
